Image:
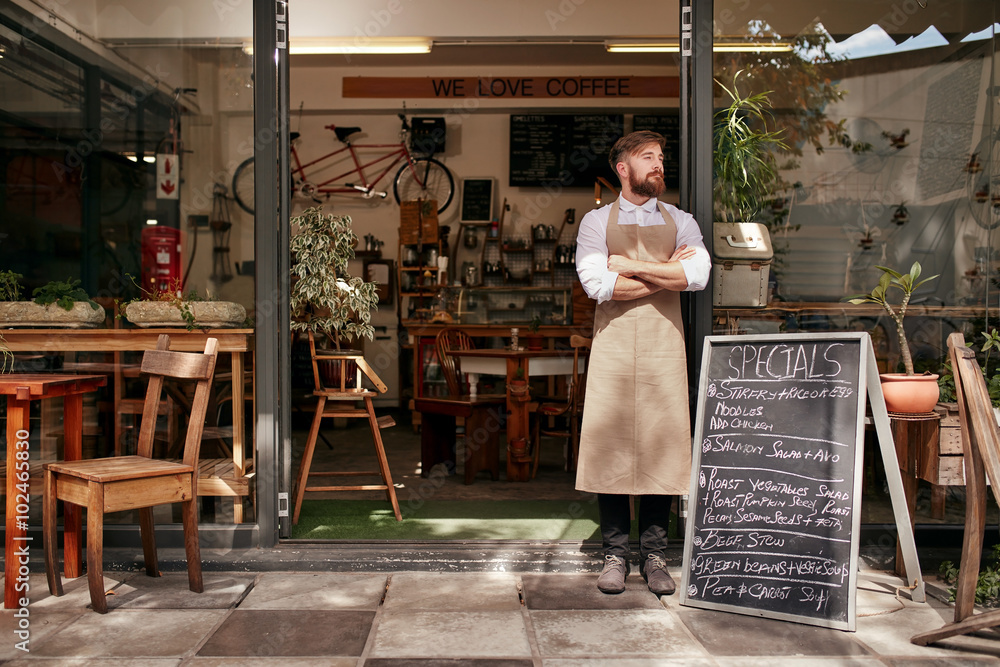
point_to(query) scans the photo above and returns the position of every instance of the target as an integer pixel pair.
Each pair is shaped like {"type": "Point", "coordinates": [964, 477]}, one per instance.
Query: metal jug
{"type": "Point", "coordinates": [471, 274]}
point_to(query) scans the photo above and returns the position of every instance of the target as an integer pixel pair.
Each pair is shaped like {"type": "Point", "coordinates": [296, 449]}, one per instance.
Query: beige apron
{"type": "Point", "coordinates": [636, 434]}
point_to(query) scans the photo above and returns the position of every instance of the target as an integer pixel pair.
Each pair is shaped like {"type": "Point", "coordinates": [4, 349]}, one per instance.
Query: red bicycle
{"type": "Point", "coordinates": [416, 177]}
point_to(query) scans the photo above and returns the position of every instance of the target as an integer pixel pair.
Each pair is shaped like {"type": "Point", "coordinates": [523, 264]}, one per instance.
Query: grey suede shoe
{"type": "Point", "coordinates": [612, 579]}
{"type": "Point", "coordinates": [654, 571]}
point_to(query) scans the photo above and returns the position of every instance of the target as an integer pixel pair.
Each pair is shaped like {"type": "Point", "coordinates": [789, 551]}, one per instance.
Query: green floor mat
{"type": "Point", "coordinates": [448, 520]}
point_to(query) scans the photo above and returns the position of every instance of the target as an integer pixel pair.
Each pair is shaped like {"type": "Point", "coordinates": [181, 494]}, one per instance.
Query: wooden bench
{"type": "Point", "coordinates": [483, 417]}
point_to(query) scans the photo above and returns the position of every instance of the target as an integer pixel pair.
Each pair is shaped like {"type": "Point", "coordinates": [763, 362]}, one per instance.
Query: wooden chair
{"type": "Point", "coordinates": [136, 482]}
{"type": "Point", "coordinates": [341, 364]}
{"type": "Point", "coordinates": [448, 340]}
{"type": "Point", "coordinates": [570, 408]}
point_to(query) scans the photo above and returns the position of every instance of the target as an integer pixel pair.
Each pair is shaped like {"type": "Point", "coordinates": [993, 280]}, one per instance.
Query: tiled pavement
{"type": "Point", "coordinates": [434, 619]}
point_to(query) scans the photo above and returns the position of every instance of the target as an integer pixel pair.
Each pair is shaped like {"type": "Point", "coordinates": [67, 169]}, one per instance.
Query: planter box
{"type": "Point", "coordinates": [30, 314]}
{"type": "Point", "coordinates": [207, 314]}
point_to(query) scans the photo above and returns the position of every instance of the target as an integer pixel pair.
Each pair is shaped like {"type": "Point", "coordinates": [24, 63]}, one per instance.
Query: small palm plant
{"type": "Point", "coordinates": [325, 297]}
{"type": "Point", "coordinates": [745, 170]}
{"type": "Point", "coordinates": [907, 283]}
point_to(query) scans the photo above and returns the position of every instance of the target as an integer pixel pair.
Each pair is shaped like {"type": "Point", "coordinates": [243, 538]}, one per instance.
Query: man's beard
{"type": "Point", "coordinates": [651, 186]}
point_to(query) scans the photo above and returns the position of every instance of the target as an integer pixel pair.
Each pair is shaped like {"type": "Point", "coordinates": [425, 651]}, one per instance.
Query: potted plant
{"type": "Point", "coordinates": [172, 307]}
{"type": "Point", "coordinates": [900, 216]}
{"type": "Point", "coordinates": [325, 298]}
{"type": "Point", "coordinates": [519, 384]}
{"type": "Point", "coordinates": [534, 340]}
{"type": "Point", "coordinates": [745, 172]}
{"type": "Point", "coordinates": [59, 303]}
{"type": "Point", "coordinates": [904, 392]}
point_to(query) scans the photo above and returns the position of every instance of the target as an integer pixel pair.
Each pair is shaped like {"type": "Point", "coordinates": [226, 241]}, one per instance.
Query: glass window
{"type": "Point", "coordinates": [890, 132]}
{"type": "Point", "coordinates": [116, 154]}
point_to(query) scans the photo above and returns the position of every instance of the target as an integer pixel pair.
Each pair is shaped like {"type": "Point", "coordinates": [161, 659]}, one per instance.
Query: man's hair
{"type": "Point", "coordinates": [631, 143]}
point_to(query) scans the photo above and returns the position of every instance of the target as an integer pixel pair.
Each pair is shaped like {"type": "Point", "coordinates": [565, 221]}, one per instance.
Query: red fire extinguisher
{"type": "Point", "coordinates": [161, 259]}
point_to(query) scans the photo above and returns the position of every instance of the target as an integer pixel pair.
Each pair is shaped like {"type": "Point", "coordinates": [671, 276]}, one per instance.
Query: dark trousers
{"type": "Point", "coordinates": [654, 518]}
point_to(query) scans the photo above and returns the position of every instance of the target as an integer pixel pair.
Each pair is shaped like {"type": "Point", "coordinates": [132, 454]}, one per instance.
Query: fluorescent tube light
{"type": "Point", "coordinates": [645, 46]}
{"type": "Point", "coordinates": [353, 46]}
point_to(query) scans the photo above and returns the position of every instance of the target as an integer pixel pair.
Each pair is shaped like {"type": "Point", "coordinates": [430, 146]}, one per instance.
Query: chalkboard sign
{"type": "Point", "coordinates": [775, 486]}
{"type": "Point", "coordinates": [477, 200]}
{"type": "Point", "coordinates": [670, 127]}
{"type": "Point", "coordinates": [562, 150]}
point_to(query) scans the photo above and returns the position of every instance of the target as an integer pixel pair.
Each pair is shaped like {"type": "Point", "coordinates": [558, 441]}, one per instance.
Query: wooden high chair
{"type": "Point", "coordinates": [340, 363]}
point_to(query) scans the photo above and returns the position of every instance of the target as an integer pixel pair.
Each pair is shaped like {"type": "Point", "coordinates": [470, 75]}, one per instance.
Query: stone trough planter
{"type": "Point", "coordinates": [30, 314]}
{"type": "Point", "coordinates": [207, 314]}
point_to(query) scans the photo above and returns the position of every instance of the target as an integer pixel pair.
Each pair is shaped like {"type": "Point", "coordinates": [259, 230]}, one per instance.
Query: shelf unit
{"type": "Point", "coordinates": [419, 249]}
{"type": "Point", "coordinates": [538, 261]}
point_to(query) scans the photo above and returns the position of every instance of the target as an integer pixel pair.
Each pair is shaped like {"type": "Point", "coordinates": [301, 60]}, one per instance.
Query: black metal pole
{"type": "Point", "coordinates": [270, 22]}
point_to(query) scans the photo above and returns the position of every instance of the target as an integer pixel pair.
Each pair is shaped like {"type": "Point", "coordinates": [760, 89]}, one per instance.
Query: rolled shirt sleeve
{"type": "Point", "coordinates": [592, 256]}
{"type": "Point", "coordinates": [697, 269]}
{"type": "Point", "coordinates": [592, 250]}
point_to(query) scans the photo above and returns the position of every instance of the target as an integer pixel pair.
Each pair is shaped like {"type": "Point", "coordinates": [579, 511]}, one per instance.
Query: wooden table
{"type": "Point", "coordinates": [237, 342]}
{"type": "Point", "coordinates": [506, 363]}
{"type": "Point", "coordinates": [21, 389]}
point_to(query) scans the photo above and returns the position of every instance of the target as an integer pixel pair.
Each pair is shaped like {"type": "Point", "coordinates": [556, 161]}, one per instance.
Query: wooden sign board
{"type": "Point", "coordinates": [776, 481]}
{"type": "Point", "coordinates": [520, 87]}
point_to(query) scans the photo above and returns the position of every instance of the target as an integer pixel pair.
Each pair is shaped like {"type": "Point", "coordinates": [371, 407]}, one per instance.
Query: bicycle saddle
{"type": "Point", "coordinates": [344, 132]}
{"type": "Point", "coordinates": [292, 136]}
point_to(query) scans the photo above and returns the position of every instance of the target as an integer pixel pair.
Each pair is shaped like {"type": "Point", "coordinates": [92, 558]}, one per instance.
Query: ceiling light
{"type": "Point", "coordinates": [648, 46]}
{"type": "Point", "coordinates": [353, 46]}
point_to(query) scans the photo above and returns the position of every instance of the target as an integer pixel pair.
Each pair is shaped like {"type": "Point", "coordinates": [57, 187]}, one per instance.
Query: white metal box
{"type": "Point", "coordinates": [741, 264]}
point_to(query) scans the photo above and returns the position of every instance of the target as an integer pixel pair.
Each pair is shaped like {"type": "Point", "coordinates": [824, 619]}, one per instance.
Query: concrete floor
{"type": "Point", "coordinates": [498, 619]}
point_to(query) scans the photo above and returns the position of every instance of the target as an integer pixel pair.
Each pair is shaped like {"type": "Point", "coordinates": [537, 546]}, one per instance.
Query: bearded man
{"type": "Point", "coordinates": [634, 257]}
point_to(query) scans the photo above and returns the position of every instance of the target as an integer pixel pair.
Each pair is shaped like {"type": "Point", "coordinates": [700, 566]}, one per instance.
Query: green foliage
{"type": "Point", "coordinates": [63, 293]}
{"type": "Point", "coordinates": [946, 384]}
{"type": "Point", "coordinates": [907, 283]}
{"type": "Point", "coordinates": [10, 286]}
{"type": "Point", "coordinates": [988, 585]}
{"type": "Point", "coordinates": [324, 296]}
{"type": "Point", "coordinates": [946, 380]}
{"type": "Point", "coordinates": [745, 172]}
{"type": "Point", "coordinates": [534, 324]}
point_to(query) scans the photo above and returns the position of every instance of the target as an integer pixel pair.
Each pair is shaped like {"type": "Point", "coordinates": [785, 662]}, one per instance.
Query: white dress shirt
{"type": "Point", "coordinates": [592, 246]}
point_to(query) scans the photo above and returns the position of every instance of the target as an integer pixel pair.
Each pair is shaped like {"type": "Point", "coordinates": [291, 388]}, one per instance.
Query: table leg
{"type": "Point", "coordinates": [72, 451]}
{"type": "Point", "coordinates": [17, 531]}
{"type": "Point", "coordinates": [518, 465]}
{"type": "Point", "coordinates": [239, 431]}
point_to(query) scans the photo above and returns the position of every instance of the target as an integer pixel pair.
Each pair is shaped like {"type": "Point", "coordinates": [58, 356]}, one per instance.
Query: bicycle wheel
{"type": "Point", "coordinates": [243, 185]}
{"type": "Point", "coordinates": [427, 179]}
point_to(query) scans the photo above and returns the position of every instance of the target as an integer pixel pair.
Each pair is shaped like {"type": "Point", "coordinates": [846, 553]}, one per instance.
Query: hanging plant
{"type": "Point", "coordinates": [900, 216]}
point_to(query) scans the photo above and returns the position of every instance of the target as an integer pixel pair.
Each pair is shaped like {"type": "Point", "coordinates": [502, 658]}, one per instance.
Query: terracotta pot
{"type": "Point", "coordinates": [910, 394]}
{"type": "Point", "coordinates": [534, 341]}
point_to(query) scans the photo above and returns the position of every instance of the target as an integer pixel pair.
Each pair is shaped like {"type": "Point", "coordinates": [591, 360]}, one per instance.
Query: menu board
{"type": "Point", "coordinates": [669, 126]}
{"type": "Point", "coordinates": [562, 150]}
{"type": "Point", "coordinates": [775, 487]}
{"type": "Point", "coordinates": [477, 200]}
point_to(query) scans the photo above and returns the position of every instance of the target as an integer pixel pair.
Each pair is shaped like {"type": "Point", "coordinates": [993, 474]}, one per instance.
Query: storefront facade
{"type": "Point", "coordinates": [887, 110]}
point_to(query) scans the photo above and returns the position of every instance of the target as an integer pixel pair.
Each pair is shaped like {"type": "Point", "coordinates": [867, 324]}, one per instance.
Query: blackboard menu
{"type": "Point", "coordinates": [774, 498]}
{"type": "Point", "coordinates": [669, 126]}
{"type": "Point", "coordinates": [477, 199]}
{"type": "Point", "coordinates": [562, 150]}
